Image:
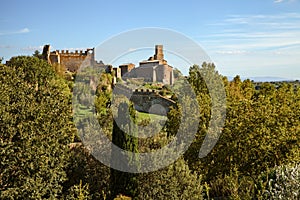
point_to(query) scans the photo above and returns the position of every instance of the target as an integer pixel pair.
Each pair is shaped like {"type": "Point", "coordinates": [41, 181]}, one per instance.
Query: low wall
{"type": "Point", "coordinates": [148, 101]}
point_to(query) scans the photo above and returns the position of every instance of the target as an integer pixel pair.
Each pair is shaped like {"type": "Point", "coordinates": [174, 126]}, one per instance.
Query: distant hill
{"type": "Point", "coordinates": [263, 79]}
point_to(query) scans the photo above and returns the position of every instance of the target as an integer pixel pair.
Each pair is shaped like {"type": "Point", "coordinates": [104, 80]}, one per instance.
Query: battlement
{"type": "Point", "coordinates": [144, 99]}
{"type": "Point", "coordinates": [145, 92]}
{"type": "Point", "coordinates": [76, 52]}
{"type": "Point", "coordinates": [71, 60]}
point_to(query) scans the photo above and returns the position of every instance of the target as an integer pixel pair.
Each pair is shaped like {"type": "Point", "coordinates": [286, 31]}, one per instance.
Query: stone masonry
{"type": "Point", "coordinates": [155, 69]}
{"type": "Point", "coordinates": [71, 61]}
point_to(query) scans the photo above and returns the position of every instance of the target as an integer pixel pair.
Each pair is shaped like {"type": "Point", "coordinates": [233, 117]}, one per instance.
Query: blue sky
{"type": "Point", "coordinates": [250, 37]}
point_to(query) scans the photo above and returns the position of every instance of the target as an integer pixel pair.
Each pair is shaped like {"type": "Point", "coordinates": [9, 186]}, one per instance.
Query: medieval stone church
{"type": "Point", "coordinates": [155, 69]}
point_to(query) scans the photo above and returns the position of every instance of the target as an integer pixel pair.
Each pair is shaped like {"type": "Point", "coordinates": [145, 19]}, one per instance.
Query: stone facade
{"type": "Point", "coordinates": [151, 102]}
{"type": "Point", "coordinates": [125, 68]}
{"type": "Point", "coordinates": [118, 73]}
{"type": "Point", "coordinates": [155, 69]}
{"type": "Point", "coordinates": [71, 61]}
{"type": "Point", "coordinates": [146, 100]}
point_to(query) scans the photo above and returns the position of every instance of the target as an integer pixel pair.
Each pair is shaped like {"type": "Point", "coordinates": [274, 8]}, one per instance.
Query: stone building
{"type": "Point", "coordinates": [71, 61]}
{"type": "Point", "coordinates": [125, 68]}
{"type": "Point", "coordinates": [155, 69]}
{"type": "Point", "coordinates": [117, 72]}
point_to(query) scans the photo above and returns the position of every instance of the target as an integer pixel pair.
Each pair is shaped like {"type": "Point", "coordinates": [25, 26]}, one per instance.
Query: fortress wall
{"type": "Point", "coordinates": [54, 58]}
{"type": "Point", "coordinates": [122, 90]}
{"type": "Point", "coordinates": [118, 73]}
{"type": "Point", "coordinates": [126, 68]}
{"type": "Point", "coordinates": [146, 73]}
{"type": "Point", "coordinates": [72, 61]}
{"type": "Point", "coordinates": [164, 74]}
{"type": "Point", "coordinates": [145, 100]}
{"type": "Point", "coordinates": [160, 73]}
{"type": "Point", "coordinates": [148, 64]}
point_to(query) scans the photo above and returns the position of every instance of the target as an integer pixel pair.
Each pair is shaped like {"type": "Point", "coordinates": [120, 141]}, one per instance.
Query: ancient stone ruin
{"type": "Point", "coordinates": [155, 69]}
{"type": "Point", "coordinates": [71, 61]}
{"type": "Point", "coordinates": [145, 100]}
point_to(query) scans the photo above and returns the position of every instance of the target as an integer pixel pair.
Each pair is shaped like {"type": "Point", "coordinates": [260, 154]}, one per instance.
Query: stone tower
{"type": "Point", "coordinates": [159, 55]}
{"type": "Point", "coordinates": [46, 53]}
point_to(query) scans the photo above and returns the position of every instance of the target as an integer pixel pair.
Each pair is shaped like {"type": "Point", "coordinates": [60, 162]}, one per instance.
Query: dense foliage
{"type": "Point", "coordinates": [35, 128]}
{"type": "Point", "coordinates": [124, 182]}
{"type": "Point", "coordinates": [256, 157]}
{"type": "Point", "coordinates": [261, 132]}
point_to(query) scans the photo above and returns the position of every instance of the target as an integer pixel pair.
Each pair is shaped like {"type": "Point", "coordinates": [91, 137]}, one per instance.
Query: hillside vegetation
{"type": "Point", "coordinates": [256, 157]}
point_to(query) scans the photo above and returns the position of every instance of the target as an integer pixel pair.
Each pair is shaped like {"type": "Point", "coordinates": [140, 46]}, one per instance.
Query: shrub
{"type": "Point", "coordinates": [284, 182]}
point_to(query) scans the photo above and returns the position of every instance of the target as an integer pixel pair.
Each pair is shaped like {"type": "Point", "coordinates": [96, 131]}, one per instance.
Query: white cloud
{"type": "Point", "coordinates": [32, 48]}
{"type": "Point", "coordinates": [256, 19]}
{"type": "Point", "coordinates": [262, 32]}
{"type": "Point", "coordinates": [278, 1]}
{"type": "Point", "coordinates": [132, 49]}
{"type": "Point", "coordinates": [281, 1]}
{"type": "Point", "coordinates": [6, 47]}
{"type": "Point", "coordinates": [72, 49]}
{"type": "Point", "coordinates": [21, 31]}
{"type": "Point", "coordinates": [252, 45]}
{"type": "Point", "coordinates": [232, 52]}
{"type": "Point", "coordinates": [24, 30]}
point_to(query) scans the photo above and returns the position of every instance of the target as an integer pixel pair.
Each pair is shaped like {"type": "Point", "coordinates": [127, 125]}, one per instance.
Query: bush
{"type": "Point", "coordinates": [284, 182]}
{"type": "Point", "coordinates": [173, 182]}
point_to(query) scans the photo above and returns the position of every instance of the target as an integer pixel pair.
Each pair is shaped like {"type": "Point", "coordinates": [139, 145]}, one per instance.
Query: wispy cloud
{"type": "Point", "coordinates": [32, 48]}
{"type": "Point", "coordinates": [24, 30]}
{"type": "Point", "coordinates": [132, 49]}
{"type": "Point", "coordinates": [232, 52]}
{"type": "Point", "coordinates": [281, 1]}
{"type": "Point", "coordinates": [249, 33]}
{"type": "Point", "coordinates": [6, 47]}
{"type": "Point", "coordinates": [285, 19]}
{"type": "Point", "coordinates": [262, 44]}
{"type": "Point", "coordinates": [21, 31]}
{"type": "Point", "coordinates": [278, 1]}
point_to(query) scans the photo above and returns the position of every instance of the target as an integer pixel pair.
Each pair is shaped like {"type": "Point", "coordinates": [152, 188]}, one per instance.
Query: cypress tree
{"type": "Point", "coordinates": [124, 182]}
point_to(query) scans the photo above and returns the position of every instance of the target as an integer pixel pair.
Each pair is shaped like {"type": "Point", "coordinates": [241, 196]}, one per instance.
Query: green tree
{"type": "Point", "coordinates": [35, 130]}
{"type": "Point", "coordinates": [124, 182]}
{"type": "Point", "coordinates": [260, 132]}
{"type": "Point", "coordinates": [207, 84]}
{"type": "Point", "coordinates": [87, 171]}
{"type": "Point", "coordinates": [175, 181]}
{"type": "Point", "coordinates": [79, 192]}
{"type": "Point", "coordinates": [177, 73]}
{"type": "Point", "coordinates": [37, 54]}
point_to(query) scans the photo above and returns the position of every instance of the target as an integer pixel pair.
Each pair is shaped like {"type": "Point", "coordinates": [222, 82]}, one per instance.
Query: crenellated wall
{"type": "Point", "coordinates": [151, 101]}
{"type": "Point", "coordinates": [71, 60]}
{"type": "Point", "coordinates": [146, 100]}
